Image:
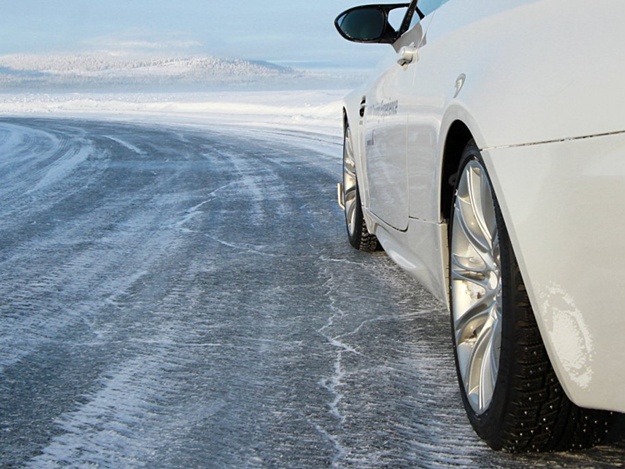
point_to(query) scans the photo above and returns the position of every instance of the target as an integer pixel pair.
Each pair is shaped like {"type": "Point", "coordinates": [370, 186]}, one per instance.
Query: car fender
{"type": "Point", "coordinates": [514, 104]}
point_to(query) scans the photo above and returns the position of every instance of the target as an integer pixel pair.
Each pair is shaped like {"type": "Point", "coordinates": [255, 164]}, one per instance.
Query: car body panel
{"type": "Point", "coordinates": [537, 60]}
{"type": "Point", "coordinates": [385, 134]}
{"type": "Point", "coordinates": [563, 203]}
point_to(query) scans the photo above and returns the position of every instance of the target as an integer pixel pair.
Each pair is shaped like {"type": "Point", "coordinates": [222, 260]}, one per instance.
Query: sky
{"type": "Point", "coordinates": [287, 32]}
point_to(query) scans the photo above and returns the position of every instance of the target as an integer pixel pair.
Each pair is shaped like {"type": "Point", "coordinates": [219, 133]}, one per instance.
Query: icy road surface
{"type": "Point", "coordinates": [178, 297]}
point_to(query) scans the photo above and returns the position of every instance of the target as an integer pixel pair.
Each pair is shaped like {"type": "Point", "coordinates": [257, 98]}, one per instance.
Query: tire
{"type": "Point", "coordinates": [509, 388]}
{"type": "Point", "coordinates": [357, 231]}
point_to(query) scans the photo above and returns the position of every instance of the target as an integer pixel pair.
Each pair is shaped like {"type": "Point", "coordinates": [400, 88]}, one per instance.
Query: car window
{"type": "Point", "coordinates": [426, 7]}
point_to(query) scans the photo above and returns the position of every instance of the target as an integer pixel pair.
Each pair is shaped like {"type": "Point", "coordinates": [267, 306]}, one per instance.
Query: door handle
{"type": "Point", "coordinates": [407, 55]}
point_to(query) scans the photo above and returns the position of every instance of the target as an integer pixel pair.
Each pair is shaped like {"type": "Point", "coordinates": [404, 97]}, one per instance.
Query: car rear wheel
{"type": "Point", "coordinates": [509, 388]}
{"type": "Point", "coordinates": [357, 231]}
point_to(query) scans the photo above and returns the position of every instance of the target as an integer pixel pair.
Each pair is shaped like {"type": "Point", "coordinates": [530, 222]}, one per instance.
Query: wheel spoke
{"type": "Point", "coordinates": [483, 207]}
{"type": "Point", "coordinates": [349, 165]}
{"type": "Point", "coordinates": [470, 194]}
{"type": "Point", "coordinates": [464, 269]}
{"type": "Point", "coordinates": [488, 373]}
{"type": "Point", "coordinates": [471, 321]}
{"type": "Point", "coordinates": [350, 212]}
{"type": "Point", "coordinates": [474, 234]}
{"type": "Point", "coordinates": [470, 226]}
{"type": "Point", "coordinates": [480, 369]}
{"type": "Point", "coordinates": [478, 287]}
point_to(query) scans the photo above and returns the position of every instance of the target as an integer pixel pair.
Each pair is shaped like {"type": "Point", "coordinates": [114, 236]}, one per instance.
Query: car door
{"type": "Point", "coordinates": [388, 106]}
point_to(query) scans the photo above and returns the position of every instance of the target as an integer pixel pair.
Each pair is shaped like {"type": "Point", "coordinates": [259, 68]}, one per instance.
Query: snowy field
{"type": "Point", "coordinates": [308, 111]}
{"type": "Point", "coordinates": [177, 90]}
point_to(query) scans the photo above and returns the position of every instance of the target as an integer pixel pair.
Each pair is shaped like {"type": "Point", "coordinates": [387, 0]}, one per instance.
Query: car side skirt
{"type": "Point", "coordinates": [426, 260]}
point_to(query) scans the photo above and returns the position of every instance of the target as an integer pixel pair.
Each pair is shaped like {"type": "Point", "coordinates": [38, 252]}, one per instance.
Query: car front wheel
{"type": "Point", "coordinates": [509, 388]}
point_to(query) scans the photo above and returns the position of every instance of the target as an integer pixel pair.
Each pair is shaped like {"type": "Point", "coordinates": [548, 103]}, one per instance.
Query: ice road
{"type": "Point", "coordinates": [185, 297]}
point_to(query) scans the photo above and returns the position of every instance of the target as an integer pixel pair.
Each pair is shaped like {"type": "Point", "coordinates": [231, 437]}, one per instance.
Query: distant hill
{"type": "Point", "coordinates": [106, 71]}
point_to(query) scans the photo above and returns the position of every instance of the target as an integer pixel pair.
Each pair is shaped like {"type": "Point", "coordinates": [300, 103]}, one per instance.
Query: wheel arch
{"type": "Point", "coordinates": [456, 140]}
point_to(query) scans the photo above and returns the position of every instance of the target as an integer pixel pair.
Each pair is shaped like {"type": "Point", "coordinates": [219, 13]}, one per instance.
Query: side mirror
{"type": "Point", "coordinates": [368, 24]}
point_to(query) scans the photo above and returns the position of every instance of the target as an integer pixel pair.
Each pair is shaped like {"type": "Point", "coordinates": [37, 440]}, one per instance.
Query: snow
{"type": "Point", "coordinates": [106, 70]}
{"type": "Point", "coordinates": [316, 111]}
{"type": "Point", "coordinates": [197, 90]}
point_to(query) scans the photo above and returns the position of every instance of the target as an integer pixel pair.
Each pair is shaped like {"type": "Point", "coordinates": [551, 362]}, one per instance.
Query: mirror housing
{"type": "Point", "coordinates": [368, 24]}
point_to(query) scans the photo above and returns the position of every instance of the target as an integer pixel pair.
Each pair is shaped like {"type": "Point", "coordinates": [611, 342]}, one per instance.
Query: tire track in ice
{"type": "Point", "coordinates": [125, 144]}
{"type": "Point", "coordinates": [137, 406]}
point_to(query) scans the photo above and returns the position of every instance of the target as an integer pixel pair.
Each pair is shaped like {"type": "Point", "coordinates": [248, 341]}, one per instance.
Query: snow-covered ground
{"type": "Point", "coordinates": [174, 90]}
{"type": "Point", "coordinates": [316, 111]}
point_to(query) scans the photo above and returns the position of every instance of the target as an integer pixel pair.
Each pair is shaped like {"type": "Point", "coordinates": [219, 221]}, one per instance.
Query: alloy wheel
{"type": "Point", "coordinates": [476, 285]}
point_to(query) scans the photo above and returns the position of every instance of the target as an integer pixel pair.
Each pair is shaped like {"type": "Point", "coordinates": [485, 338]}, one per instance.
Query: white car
{"type": "Point", "coordinates": [487, 157]}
